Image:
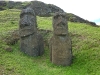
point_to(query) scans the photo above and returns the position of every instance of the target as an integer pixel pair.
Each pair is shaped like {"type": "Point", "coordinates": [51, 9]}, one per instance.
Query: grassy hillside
{"type": "Point", "coordinates": [85, 45]}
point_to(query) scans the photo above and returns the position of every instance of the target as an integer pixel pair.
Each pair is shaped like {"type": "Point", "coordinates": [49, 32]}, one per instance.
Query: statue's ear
{"type": "Point", "coordinates": [21, 15]}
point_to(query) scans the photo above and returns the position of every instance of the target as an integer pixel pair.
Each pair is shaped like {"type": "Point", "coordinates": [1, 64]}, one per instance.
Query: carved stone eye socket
{"type": "Point", "coordinates": [56, 17]}
{"type": "Point", "coordinates": [61, 24]}
{"type": "Point", "coordinates": [29, 13]}
{"type": "Point", "coordinates": [26, 25]}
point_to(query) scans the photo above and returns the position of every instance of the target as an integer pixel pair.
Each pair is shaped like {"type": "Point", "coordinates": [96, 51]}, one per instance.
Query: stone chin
{"type": "Point", "coordinates": [60, 32]}
{"type": "Point", "coordinates": [27, 31]}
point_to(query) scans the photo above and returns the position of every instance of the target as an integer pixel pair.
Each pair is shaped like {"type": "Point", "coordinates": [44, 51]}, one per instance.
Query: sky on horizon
{"type": "Point", "coordinates": [87, 9]}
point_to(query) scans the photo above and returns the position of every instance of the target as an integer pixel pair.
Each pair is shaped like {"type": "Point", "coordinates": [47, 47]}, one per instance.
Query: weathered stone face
{"type": "Point", "coordinates": [60, 44]}
{"type": "Point", "coordinates": [31, 42]}
{"type": "Point", "coordinates": [27, 22]}
{"type": "Point", "coordinates": [28, 17]}
{"type": "Point", "coordinates": [60, 24]}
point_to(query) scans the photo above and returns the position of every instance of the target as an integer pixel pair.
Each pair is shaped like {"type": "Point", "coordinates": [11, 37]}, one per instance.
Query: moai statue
{"type": "Point", "coordinates": [60, 43]}
{"type": "Point", "coordinates": [31, 42]}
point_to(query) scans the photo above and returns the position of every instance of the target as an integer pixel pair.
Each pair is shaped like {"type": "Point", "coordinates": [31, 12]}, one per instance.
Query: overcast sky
{"type": "Point", "coordinates": [87, 9]}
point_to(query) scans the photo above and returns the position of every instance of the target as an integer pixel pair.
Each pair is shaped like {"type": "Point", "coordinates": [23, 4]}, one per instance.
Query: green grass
{"type": "Point", "coordinates": [85, 46]}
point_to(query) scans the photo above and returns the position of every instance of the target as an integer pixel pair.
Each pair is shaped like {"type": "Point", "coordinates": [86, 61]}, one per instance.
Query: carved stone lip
{"type": "Point", "coordinates": [25, 35]}
{"type": "Point", "coordinates": [62, 34]}
{"type": "Point", "coordinates": [26, 27]}
{"type": "Point", "coordinates": [27, 31]}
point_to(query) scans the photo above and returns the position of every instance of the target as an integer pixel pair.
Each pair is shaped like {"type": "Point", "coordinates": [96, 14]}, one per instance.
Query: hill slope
{"type": "Point", "coordinates": [43, 9]}
{"type": "Point", "coordinates": [85, 46]}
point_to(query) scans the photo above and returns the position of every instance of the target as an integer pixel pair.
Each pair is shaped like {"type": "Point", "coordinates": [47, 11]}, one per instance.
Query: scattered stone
{"type": "Point", "coordinates": [12, 38]}
{"type": "Point", "coordinates": [60, 43]}
{"type": "Point", "coordinates": [8, 49]}
{"type": "Point", "coordinates": [31, 42]}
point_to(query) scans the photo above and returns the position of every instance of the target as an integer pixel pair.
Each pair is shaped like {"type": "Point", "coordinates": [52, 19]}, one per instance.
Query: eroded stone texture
{"type": "Point", "coordinates": [31, 42]}
{"type": "Point", "coordinates": [60, 43]}
{"type": "Point", "coordinates": [43, 9]}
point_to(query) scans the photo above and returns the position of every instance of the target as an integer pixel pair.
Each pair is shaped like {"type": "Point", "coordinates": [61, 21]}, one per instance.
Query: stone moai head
{"type": "Point", "coordinates": [27, 23]}
{"type": "Point", "coordinates": [60, 24]}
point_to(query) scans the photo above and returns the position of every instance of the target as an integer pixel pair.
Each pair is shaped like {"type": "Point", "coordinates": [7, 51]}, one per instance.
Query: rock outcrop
{"type": "Point", "coordinates": [74, 18]}
{"type": "Point", "coordinates": [2, 5]}
{"type": "Point", "coordinates": [43, 9]}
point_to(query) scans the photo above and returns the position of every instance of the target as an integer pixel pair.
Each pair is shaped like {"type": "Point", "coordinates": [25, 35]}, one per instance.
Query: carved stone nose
{"type": "Point", "coordinates": [25, 20]}
{"type": "Point", "coordinates": [24, 23]}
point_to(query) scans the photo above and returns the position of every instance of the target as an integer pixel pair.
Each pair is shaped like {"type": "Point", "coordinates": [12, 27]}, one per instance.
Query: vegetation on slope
{"type": "Point", "coordinates": [42, 9]}
{"type": "Point", "coordinates": [85, 45]}
{"type": "Point", "coordinates": [12, 5]}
